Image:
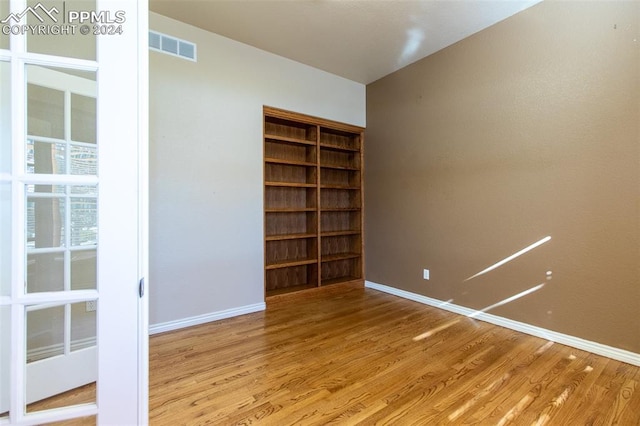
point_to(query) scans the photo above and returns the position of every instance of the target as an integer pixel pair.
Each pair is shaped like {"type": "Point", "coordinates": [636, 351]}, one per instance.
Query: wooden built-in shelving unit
{"type": "Point", "coordinates": [313, 217]}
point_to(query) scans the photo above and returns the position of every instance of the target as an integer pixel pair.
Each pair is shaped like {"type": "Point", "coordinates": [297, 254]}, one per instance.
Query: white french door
{"type": "Point", "coordinates": [67, 258]}
{"type": "Point", "coordinates": [73, 236]}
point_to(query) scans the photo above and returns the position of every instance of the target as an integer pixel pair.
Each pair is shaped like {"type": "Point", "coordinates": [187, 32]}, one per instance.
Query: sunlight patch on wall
{"type": "Point", "coordinates": [507, 300]}
{"type": "Point", "coordinates": [510, 258]}
{"type": "Point", "coordinates": [476, 313]}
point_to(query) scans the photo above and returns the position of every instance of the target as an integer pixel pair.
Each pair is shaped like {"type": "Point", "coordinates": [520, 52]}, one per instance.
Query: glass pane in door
{"type": "Point", "coordinates": [61, 122]}
{"type": "Point", "coordinates": [83, 118]}
{"type": "Point", "coordinates": [83, 269]}
{"type": "Point", "coordinates": [45, 108]}
{"type": "Point", "coordinates": [61, 346]}
{"type": "Point", "coordinates": [61, 220]}
{"type": "Point", "coordinates": [45, 272]}
{"type": "Point", "coordinates": [46, 214]}
{"type": "Point", "coordinates": [61, 237]}
{"type": "Point", "coordinates": [84, 221]}
{"type": "Point", "coordinates": [46, 157]}
{"type": "Point", "coordinates": [64, 37]}
{"type": "Point", "coordinates": [45, 333]}
{"type": "Point", "coordinates": [83, 325]}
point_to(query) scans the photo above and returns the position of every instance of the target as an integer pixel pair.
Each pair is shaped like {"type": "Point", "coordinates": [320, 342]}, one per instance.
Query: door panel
{"type": "Point", "coordinates": [61, 351]}
{"type": "Point", "coordinates": [71, 246]}
{"type": "Point", "coordinates": [61, 230]}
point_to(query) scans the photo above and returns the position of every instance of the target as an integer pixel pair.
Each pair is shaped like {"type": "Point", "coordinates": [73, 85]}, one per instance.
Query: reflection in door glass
{"type": "Point", "coordinates": [84, 221]}
{"type": "Point", "coordinates": [45, 107]}
{"type": "Point", "coordinates": [46, 157]}
{"type": "Point", "coordinates": [45, 333]}
{"type": "Point", "coordinates": [60, 339]}
{"type": "Point", "coordinates": [61, 122]}
{"type": "Point", "coordinates": [45, 272]}
{"type": "Point", "coordinates": [46, 218]}
{"type": "Point", "coordinates": [83, 118]}
{"type": "Point", "coordinates": [83, 325]}
{"type": "Point", "coordinates": [72, 44]}
{"type": "Point", "coordinates": [83, 269]}
{"type": "Point", "coordinates": [83, 160]}
{"type": "Point", "coordinates": [61, 237]}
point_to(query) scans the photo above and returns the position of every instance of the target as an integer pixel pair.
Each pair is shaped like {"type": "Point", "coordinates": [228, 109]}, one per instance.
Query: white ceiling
{"type": "Point", "coordinates": [361, 40]}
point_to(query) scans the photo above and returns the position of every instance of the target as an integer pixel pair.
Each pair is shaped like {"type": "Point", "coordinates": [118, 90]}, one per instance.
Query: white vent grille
{"type": "Point", "coordinates": [172, 46]}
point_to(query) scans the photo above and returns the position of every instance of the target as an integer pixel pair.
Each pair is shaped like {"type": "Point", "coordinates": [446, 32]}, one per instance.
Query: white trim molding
{"type": "Point", "coordinates": [205, 318]}
{"type": "Point", "coordinates": [554, 336]}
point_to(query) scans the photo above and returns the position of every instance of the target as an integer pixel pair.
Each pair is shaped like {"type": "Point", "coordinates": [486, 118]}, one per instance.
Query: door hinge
{"type": "Point", "coordinates": [141, 287]}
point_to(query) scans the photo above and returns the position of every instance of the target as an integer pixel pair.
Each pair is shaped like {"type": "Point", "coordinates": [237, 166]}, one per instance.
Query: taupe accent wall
{"type": "Point", "coordinates": [528, 129]}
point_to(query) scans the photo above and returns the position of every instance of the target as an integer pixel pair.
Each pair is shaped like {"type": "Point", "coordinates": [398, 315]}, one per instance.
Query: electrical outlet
{"type": "Point", "coordinates": [425, 274]}
{"type": "Point", "coordinates": [91, 305]}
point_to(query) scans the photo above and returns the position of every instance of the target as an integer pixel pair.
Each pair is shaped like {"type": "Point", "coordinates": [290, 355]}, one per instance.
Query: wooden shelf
{"type": "Point", "coordinates": [290, 263]}
{"type": "Point", "coordinates": [339, 148]}
{"type": "Point", "coordinates": [339, 209]}
{"type": "Point", "coordinates": [291, 184]}
{"type": "Point", "coordinates": [299, 149]}
{"type": "Point", "coordinates": [340, 256]}
{"type": "Point", "coordinates": [291, 210]}
{"type": "Point", "coordinates": [338, 167]}
{"type": "Point", "coordinates": [289, 162]}
{"type": "Point", "coordinates": [339, 233]}
{"type": "Point", "coordinates": [289, 140]}
{"type": "Point", "coordinates": [289, 237]}
{"type": "Point", "coordinates": [347, 187]}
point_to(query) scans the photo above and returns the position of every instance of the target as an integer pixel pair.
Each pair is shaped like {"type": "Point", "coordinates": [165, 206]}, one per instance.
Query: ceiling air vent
{"type": "Point", "coordinates": [172, 46]}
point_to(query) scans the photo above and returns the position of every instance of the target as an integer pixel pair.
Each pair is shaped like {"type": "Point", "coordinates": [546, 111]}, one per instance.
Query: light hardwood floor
{"type": "Point", "coordinates": [348, 356]}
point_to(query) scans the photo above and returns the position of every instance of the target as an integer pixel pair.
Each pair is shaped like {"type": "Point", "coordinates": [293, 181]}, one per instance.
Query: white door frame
{"type": "Point", "coordinates": [142, 17]}
{"type": "Point", "coordinates": [130, 75]}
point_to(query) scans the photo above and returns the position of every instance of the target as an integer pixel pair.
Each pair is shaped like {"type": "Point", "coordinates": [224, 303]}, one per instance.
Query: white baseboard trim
{"type": "Point", "coordinates": [56, 349]}
{"type": "Point", "coordinates": [201, 319]}
{"type": "Point", "coordinates": [565, 339]}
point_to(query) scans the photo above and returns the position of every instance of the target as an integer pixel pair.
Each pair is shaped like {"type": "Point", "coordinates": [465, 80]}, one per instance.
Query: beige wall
{"type": "Point", "coordinates": [525, 130]}
{"type": "Point", "coordinates": [206, 183]}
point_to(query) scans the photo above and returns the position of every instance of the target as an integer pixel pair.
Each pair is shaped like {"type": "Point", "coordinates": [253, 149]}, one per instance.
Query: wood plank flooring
{"type": "Point", "coordinates": [349, 356]}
